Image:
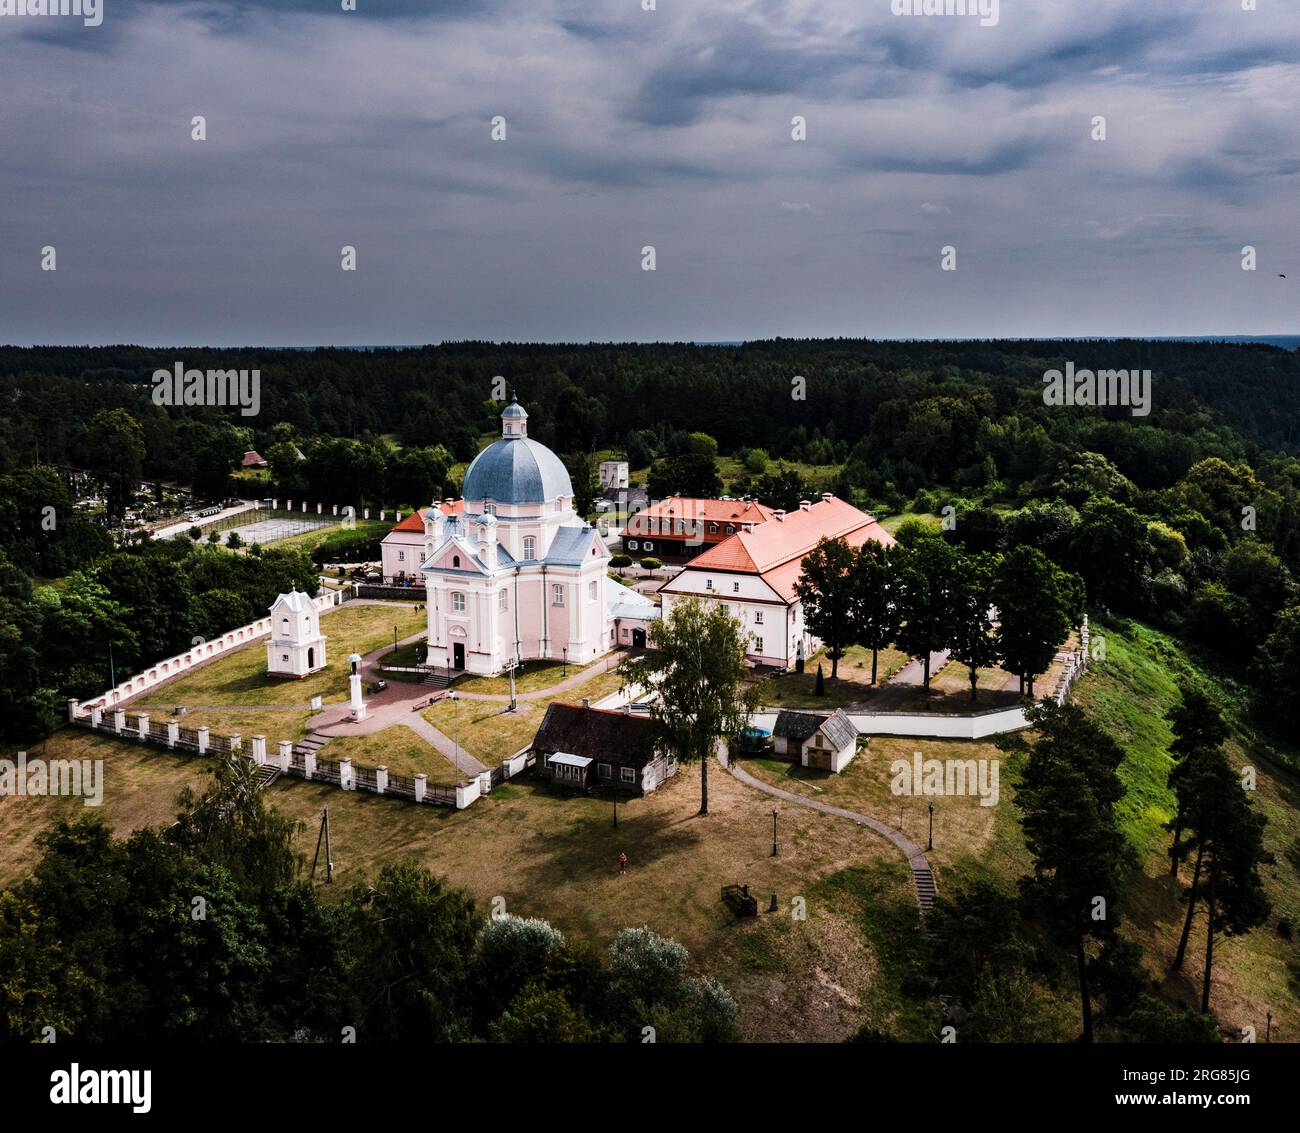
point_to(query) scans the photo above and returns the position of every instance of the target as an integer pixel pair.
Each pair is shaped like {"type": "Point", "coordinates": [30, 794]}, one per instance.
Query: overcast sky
{"type": "Point", "coordinates": [628, 128]}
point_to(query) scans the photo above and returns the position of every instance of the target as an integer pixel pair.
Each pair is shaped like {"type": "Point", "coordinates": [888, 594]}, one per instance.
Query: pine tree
{"type": "Point", "coordinates": [1067, 800]}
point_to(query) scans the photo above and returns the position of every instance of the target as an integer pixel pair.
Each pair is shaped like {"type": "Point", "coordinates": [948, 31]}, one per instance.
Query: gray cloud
{"type": "Point", "coordinates": [628, 128]}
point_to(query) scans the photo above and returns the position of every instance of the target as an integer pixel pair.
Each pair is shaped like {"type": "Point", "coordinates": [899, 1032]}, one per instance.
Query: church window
{"type": "Point", "coordinates": [591, 592]}
{"type": "Point", "coordinates": [558, 595]}
{"type": "Point", "coordinates": [489, 509]}
{"type": "Point", "coordinates": [502, 600]}
{"type": "Point", "coordinates": [455, 560]}
{"type": "Point", "coordinates": [530, 547]}
{"type": "Point", "coordinates": [458, 602]}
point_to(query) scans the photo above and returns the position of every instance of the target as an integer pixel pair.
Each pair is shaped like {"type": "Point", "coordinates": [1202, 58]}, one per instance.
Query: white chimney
{"type": "Point", "coordinates": [804, 505]}
{"type": "Point", "coordinates": [827, 497]}
{"type": "Point", "coordinates": [779, 515]}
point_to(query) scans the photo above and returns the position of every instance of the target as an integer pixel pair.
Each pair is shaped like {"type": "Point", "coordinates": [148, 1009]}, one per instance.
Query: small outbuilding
{"type": "Point", "coordinates": [591, 748]}
{"type": "Point", "coordinates": [297, 646]}
{"type": "Point", "coordinates": [824, 742]}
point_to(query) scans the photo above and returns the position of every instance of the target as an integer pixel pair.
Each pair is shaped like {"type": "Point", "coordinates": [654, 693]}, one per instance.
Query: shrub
{"type": "Point", "coordinates": [620, 561]}
{"type": "Point", "coordinates": [348, 547]}
{"type": "Point", "coordinates": [651, 563]}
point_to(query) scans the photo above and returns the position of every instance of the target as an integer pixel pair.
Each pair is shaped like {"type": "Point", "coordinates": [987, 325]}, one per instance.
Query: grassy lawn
{"type": "Point", "coordinates": [1128, 694]}
{"type": "Point", "coordinates": [400, 750]}
{"type": "Point", "coordinates": [491, 733]}
{"type": "Point", "coordinates": [531, 676]}
{"type": "Point", "coordinates": [240, 678]}
{"type": "Point", "coordinates": [796, 690]}
{"type": "Point", "coordinates": [965, 833]}
{"type": "Point", "coordinates": [818, 476]}
{"type": "Point", "coordinates": [405, 655]}
{"type": "Point", "coordinates": [274, 724]}
{"type": "Point", "coordinates": [140, 787]}
{"type": "Point", "coordinates": [308, 541]}
{"type": "Point", "coordinates": [894, 522]}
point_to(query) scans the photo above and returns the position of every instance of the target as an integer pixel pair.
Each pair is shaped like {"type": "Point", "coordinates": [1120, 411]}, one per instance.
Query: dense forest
{"type": "Point", "coordinates": [1188, 517]}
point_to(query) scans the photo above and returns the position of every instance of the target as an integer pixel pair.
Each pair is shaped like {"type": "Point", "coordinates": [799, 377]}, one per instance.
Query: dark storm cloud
{"type": "Point", "coordinates": [629, 128]}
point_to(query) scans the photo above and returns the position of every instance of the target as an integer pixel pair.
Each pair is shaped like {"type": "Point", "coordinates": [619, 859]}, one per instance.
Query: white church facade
{"type": "Point", "coordinates": [296, 646]}
{"type": "Point", "coordinates": [517, 574]}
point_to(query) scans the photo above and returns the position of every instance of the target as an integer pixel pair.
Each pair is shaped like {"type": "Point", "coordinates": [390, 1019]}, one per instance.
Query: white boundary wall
{"type": "Point", "coordinates": [172, 667]}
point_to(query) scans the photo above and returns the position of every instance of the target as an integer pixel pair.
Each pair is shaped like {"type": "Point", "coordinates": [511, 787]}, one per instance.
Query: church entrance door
{"type": "Point", "coordinates": [457, 655]}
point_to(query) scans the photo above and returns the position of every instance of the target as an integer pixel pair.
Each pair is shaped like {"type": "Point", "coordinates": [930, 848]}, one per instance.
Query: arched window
{"type": "Point", "coordinates": [458, 602]}
{"type": "Point", "coordinates": [530, 547]}
{"type": "Point", "coordinates": [455, 560]}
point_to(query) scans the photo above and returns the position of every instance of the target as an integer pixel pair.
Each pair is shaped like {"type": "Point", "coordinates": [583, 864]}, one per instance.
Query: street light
{"type": "Point", "coordinates": [930, 841]}
{"type": "Point", "coordinates": [774, 813]}
{"type": "Point", "coordinates": [613, 790]}
{"type": "Point", "coordinates": [566, 661]}
{"type": "Point", "coordinates": [455, 728]}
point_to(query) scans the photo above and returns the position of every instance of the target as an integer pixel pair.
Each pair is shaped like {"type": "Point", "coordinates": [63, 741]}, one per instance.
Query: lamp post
{"type": "Point", "coordinates": [455, 728]}
{"type": "Point", "coordinates": [774, 813]}
{"type": "Point", "coordinates": [613, 790]}
{"type": "Point", "coordinates": [566, 661]}
{"type": "Point", "coordinates": [929, 844]}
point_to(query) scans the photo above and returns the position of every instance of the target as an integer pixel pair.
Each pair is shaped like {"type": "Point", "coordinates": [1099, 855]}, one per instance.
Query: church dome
{"type": "Point", "coordinates": [515, 469]}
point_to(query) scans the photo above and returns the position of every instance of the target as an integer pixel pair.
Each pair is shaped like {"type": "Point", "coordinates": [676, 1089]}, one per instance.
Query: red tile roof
{"type": "Point", "coordinates": [776, 550]}
{"type": "Point", "coordinates": [660, 517]}
{"type": "Point", "coordinates": [415, 521]}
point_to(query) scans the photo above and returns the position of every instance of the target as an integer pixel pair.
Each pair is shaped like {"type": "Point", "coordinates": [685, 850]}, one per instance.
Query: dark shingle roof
{"type": "Point", "coordinates": [613, 737]}
{"type": "Point", "coordinates": [796, 725]}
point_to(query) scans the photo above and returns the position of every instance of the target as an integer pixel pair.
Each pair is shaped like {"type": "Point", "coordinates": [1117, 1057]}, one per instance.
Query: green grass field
{"type": "Point", "coordinates": [240, 679]}
{"type": "Point", "coordinates": [798, 690]}
{"type": "Point", "coordinates": [1128, 693]}
{"type": "Point", "coordinates": [551, 854]}
{"type": "Point", "coordinates": [400, 750]}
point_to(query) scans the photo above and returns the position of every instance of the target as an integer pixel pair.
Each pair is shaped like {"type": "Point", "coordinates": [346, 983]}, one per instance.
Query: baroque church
{"type": "Point", "coordinates": [516, 573]}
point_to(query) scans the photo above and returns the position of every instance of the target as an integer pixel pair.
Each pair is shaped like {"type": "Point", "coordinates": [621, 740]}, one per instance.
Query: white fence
{"type": "Point", "coordinates": [172, 667]}
{"type": "Point", "coordinates": [955, 725]}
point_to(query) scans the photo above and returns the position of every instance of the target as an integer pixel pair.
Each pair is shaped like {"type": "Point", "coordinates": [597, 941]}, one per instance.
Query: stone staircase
{"type": "Point", "coordinates": [311, 745]}
{"type": "Point", "coordinates": [436, 678]}
{"type": "Point", "coordinates": [923, 879]}
{"type": "Point", "coordinates": [267, 774]}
